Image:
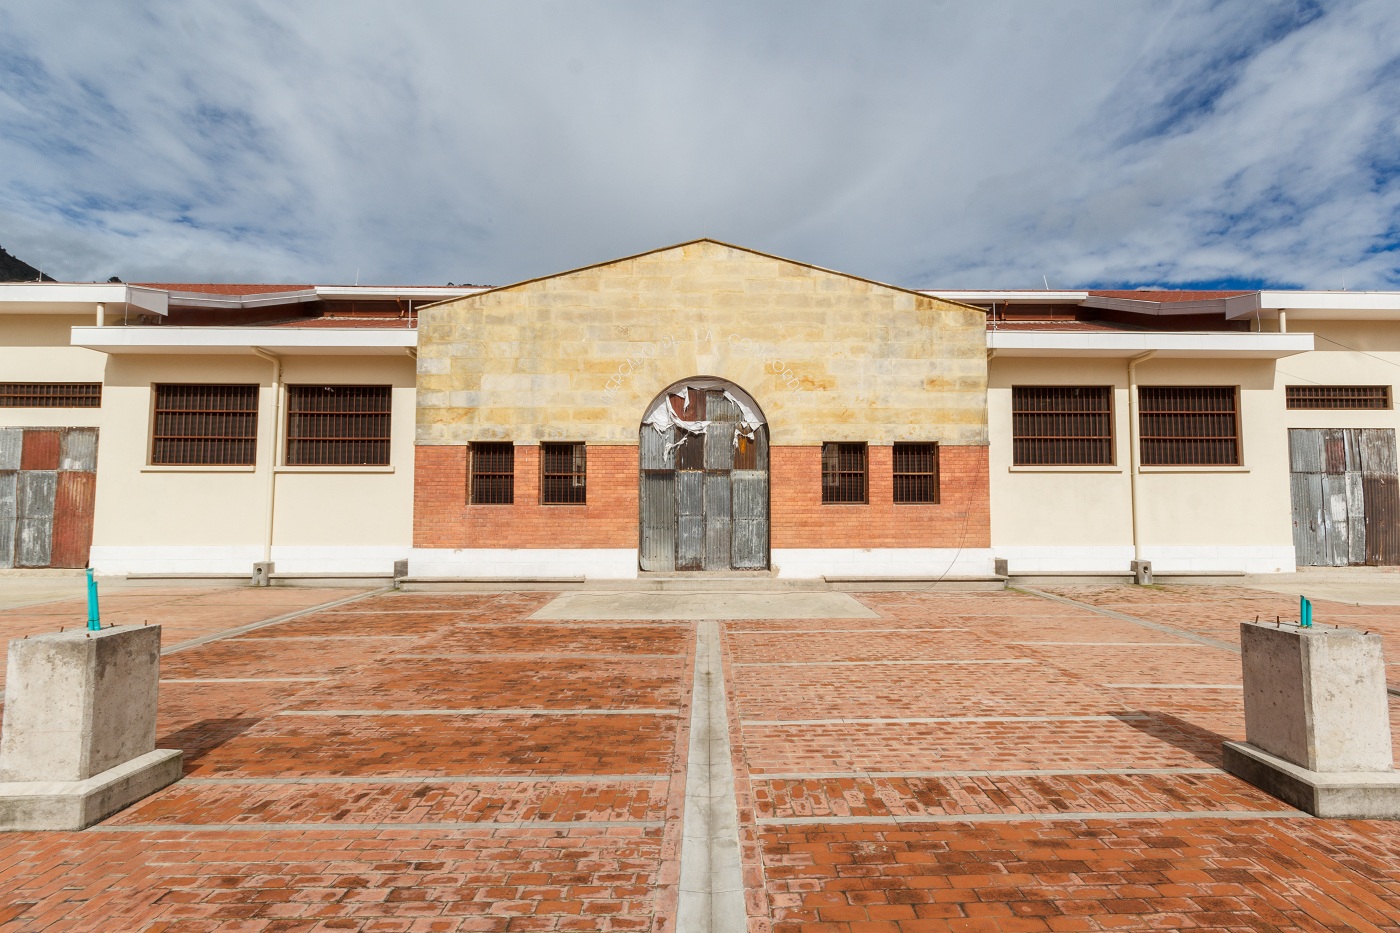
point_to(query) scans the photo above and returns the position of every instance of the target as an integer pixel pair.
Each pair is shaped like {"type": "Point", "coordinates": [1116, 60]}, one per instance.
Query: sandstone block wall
{"type": "Point", "coordinates": [579, 356]}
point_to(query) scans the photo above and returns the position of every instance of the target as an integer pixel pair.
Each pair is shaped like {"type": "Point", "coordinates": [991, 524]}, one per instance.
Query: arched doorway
{"type": "Point", "coordinates": [704, 479]}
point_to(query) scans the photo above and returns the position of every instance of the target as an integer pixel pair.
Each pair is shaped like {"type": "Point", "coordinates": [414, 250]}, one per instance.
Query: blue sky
{"type": "Point", "coordinates": [929, 144]}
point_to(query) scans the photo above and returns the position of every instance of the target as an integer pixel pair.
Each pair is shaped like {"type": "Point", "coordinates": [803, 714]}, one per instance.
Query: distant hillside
{"type": "Point", "coordinates": [17, 270]}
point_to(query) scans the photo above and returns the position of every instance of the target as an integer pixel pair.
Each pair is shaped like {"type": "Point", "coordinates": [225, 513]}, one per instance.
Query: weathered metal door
{"type": "Point", "coordinates": [47, 489]}
{"type": "Point", "coordinates": [1346, 501]}
{"type": "Point", "coordinates": [704, 492]}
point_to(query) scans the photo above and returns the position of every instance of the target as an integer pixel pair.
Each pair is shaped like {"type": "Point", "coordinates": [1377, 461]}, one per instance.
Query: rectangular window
{"type": "Point", "coordinates": [1371, 398]}
{"type": "Point", "coordinates": [205, 425]}
{"type": "Point", "coordinates": [1062, 425]}
{"type": "Point", "coordinates": [50, 395]}
{"type": "Point", "coordinates": [493, 474]}
{"type": "Point", "coordinates": [1189, 426]}
{"type": "Point", "coordinates": [916, 473]}
{"type": "Point", "coordinates": [844, 473]}
{"type": "Point", "coordinates": [563, 474]}
{"type": "Point", "coordinates": [338, 425]}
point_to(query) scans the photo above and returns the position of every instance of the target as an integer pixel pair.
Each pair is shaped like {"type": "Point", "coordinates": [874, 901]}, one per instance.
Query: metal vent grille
{"type": "Point", "coordinates": [338, 425]}
{"type": "Point", "coordinates": [845, 473]}
{"type": "Point", "coordinates": [205, 425]}
{"type": "Point", "coordinates": [563, 474]}
{"type": "Point", "coordinates": [50, 395]}
{"type": "Point", "coordinates": [1371, 398]}
{"type": "Point", "coordinates": [493, 473]}
{"type": "Point", "coordinates": [916, 473]}
{"type": "Point", "coordinates": [1062, 425]}
{"type": "Point", "coordinates": [1189, 426]}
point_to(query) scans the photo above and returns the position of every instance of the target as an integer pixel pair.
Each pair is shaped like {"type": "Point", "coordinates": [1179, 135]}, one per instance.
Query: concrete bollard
{"type": "Point", "coordinates": [79, 734]}
{"type": "Point", "coordinates": [1317, 721]}
{"type": "Point", "coordinates": [1142, 572]}
{"type": "Point", "coordinates": [262, 573]}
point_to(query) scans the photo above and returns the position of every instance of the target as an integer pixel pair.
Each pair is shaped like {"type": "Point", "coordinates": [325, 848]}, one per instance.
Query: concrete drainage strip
{"type": "Point", "coordinates": [712, 878]}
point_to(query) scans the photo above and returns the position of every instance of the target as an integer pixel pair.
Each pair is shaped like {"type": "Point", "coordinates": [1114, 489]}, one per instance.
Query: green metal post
{"type": "Point", "coordinates": [1304, 612]}
{"type": "Point", "coordinates": [94, 618]}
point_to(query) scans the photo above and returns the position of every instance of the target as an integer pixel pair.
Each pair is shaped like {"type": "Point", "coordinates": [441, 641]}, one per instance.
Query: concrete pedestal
{"type": "Point", "coordinates": [1317, 721]}
{"type": "Point", "coordinates": [78, 742]}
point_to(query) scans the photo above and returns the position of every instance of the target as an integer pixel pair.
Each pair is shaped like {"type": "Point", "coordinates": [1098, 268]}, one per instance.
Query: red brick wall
{"type": "Point", "coordinates": [442, 518]}
{"type": "Point", "coordinates": [961, 519]}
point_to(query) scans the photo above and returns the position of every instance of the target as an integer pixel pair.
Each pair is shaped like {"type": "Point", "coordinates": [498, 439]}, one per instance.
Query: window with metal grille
{"type": "Point", "coordinates": [205, 425]}
{"type": "Point", "coordinates": [916, 473]}
{"type": "Point", "coordinates": [338, 425]}
{"type": "Point", "coordinates": [1062, 425]}
{"type": "Point", "coordinates": [493, 473]}
{"type": "Point", "coordinates": [563, 474]}
{"type": "Point", "coordinates": [50, 395]}
{"type": "Point", "coordinates": [1339, 397]}
{"type": "Point", "coordinates": [844, 473]}
{"type": "Point", "coordinates": [1189, 426]}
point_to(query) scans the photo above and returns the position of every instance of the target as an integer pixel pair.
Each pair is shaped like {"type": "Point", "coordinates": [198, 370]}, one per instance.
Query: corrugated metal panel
{"type": "Point", "coordinates": [1353, 449]}
{"type": "Point", "coordinates": [40, 449]}
{"type": "Point", "coordinates": [690, 453]}
{"type": "Point", "coordinates": [1309, 531]}
{"type": "Point", "coordinates": [690, 520]}
{"type": "Point", "coordinates": [1305, 450]}
{"type": "Point", "coordinates": [750, 498]}
{"type": "Point", "coordinates": [658, 521]}
{"type": "Point", "coordinates": [1334, 491]}
{"type": "Point", "coordinates": [1378, 452]}
{"type": "Point", "coordinates": [11, 445]}
{"type": "Point", "coordinates": [77, 450]}
{"type": "Point", "coordinates": [718, 526]}
{"type": "Point", "coordinates": [657, 453]}
{"type": "Point", "coordinates": [1356, 518]}
{"type": "Point", "coordinates": [1382, 520]}
{"type": "Point", "coordinates": [8, 514]}
{"type": "Point", "coordinates": [72, 519]}
{"type": "Point", "coordinates": [719, 447]}
{"type": "Point", "coordinates": [1334, 450]}
{"type": "Point", "coordinates": [718, 407]}
{"type": "Point", "coordinates": [34, 537]}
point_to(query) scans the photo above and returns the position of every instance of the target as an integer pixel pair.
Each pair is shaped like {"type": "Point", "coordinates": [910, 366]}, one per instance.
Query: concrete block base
{"type": "Point", "coordinates": [1351, 795]}
{"type": "Point", "coordinates": [74, 805]}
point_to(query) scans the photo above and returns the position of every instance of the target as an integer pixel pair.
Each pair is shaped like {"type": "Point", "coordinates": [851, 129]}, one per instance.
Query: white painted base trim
{"type": "Point", "coordinates": [1182, 558]}
{"type": "Point", "coordinates": [808, 563]}
{"type": "Point", "coordinates": [593, 563]}
{"type": "Point", "coordinates": [239, 559]}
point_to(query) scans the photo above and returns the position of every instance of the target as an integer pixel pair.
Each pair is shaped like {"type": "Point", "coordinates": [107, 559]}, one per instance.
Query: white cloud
{"type": "Point", "coordinates": [926, 144]}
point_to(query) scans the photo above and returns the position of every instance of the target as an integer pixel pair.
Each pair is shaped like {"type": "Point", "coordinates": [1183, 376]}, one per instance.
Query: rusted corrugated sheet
{"type": "Point", "coordinates": [40, 449]}
{"type": "Point", "coordinates": [690, 520]}
{"type": "Point", "coordinates": [658, 521]}
{"type": "Point", "coordinates": [718, 527]}
{"type": "Point", "coordinates": [1305, 451]}
{"type": "Point", "coordinates": [77, 450]}
{"type": "Point", "coordinates": [34, 532]}
{"type": "Point", "coordinates": [11, 446]}
{"type": "Point", "coordinates": [1356, 518]}
{"type": "Point", "coordinates": [1382, 520]}
{"type": "Point", "coordinates": [1334, 491]}
{"type": "Point", "coordinates": [8, 514]}
{"type": "Point", "coordinates": [719, 447]}
{"type": "Point", "coordinates": [718, 407]}
{"type": "Point", "coordinates": [1378, 452]}
{"type": "Point", "coordinates": [72, 519]}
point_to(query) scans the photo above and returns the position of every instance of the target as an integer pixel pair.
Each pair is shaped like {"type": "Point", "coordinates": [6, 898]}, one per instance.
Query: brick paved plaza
{"type": "Point", "coordinates": [1002, 761]}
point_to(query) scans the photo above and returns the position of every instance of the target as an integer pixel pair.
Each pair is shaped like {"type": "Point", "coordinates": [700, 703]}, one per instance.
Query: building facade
{"type": "Point", "coordinates": [698, 408]}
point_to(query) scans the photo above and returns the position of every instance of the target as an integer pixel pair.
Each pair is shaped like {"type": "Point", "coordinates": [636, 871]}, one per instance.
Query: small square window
{"type": "Point", "coordinates": [493, 473]}
{"type": "Point", "coordinates": [338, 425]}
{"type": "Point", "coordinates": [1062, 425]}
{"type": "Point", "coordinates": [1189, 425]}
{"type": "Point", "coordinates": [845, 472]}
{"type": "Point", "coordinates": [563, 474]}
{"type": "Point", "coordinates": [916, 473]}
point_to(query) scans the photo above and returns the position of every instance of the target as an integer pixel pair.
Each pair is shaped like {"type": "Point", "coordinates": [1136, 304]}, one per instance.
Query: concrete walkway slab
{"type": "Point", "coordinates": [708, 605]}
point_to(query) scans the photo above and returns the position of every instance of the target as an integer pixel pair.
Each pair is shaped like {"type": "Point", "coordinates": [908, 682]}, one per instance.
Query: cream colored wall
{"type": "Point", "coordinates": [1347, 353]}
{"type": "Point", "coordinates": [35, 348]}
{"type": "Point", "coordinates": [1178, 506]}
{"type": "Point", "coordinates": [579, 356]}
{"type": "Point", "coordinates": [143, 505]}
